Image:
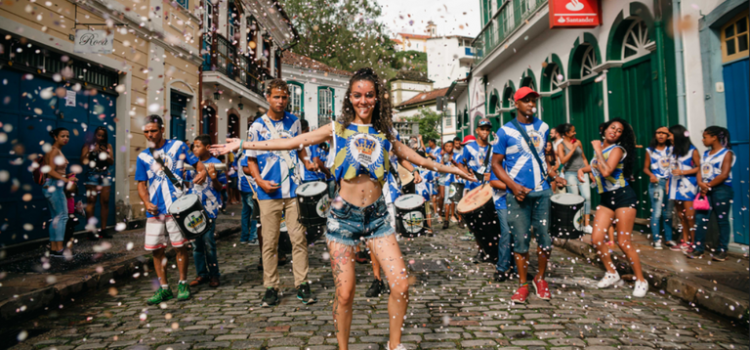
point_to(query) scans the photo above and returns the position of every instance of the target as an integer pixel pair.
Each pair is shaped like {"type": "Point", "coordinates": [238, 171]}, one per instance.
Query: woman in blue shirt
{"type": "Point", "coordinates": [683, 183]}
{"type": "Point", "coordinates": [656, 166]}
{"type": "Point", "coordinates": [612, 168]}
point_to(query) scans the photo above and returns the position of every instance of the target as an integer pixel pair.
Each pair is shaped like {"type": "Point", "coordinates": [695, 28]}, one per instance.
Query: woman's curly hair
{"type": "Point", "coordinates": [381, 116]}
{"type": "Point", "coordinates": [626, 141]}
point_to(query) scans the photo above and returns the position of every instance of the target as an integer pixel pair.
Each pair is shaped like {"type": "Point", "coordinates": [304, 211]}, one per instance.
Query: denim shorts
{"type": "Point", "coordinates": [349, 224]}
{"type": "Point", "coordinates": [623, 197]}
{"type": "Point", "coordinates": [99, 178]}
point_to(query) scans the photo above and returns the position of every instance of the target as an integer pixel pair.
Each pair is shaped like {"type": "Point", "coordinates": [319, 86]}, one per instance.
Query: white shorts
{"type": "Point", "coordinates": [156, 233]}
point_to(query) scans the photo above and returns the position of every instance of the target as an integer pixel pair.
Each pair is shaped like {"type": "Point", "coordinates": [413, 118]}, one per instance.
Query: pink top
{"type": "Point", "coordinates": [60, 169]}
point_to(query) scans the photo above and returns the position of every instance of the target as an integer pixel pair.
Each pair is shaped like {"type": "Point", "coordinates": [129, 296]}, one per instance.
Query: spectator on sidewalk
{"type": "Point", "coordinates": [656, 166]}
{"type": "Point", "coordinates": [204, 250]}
{"type": "Point", "coordinates": [54, 190]}
{"type": "Point", "coordinates": [97, 158]}
{"type": "Point", "coordinates": [569, 151]}
{"type": "Point", "coordinates": [715, 181]}
{"type": "Point", "coordinates": [683, 183]}
{"type": "Point", "coordinates": [158, 168]}
{"type": "Point", "coordinates": [612, 167]}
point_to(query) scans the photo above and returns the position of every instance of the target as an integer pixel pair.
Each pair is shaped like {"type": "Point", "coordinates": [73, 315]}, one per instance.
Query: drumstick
{"type": "Point", "coordinates": [217, 166]}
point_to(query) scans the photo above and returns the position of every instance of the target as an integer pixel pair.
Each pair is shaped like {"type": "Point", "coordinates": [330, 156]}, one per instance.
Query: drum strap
{"type": "Point", "coordinates": [172, 178]}
{"type": "Point", "coordinates": [522, 130]}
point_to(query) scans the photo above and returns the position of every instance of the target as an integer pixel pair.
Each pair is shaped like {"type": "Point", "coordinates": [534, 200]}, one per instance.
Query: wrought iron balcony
{"type": "Point", "coordinates": [503, 23]}
{"type": "Point", "coordinates": [224, 58]}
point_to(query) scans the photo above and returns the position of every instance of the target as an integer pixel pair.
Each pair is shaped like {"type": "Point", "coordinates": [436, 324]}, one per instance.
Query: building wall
{"type": "Point", "coordinates": [149, 67]}
{"type": "Point", "coordinates": [403, 90]}
{"type": "Point", "coordinates": [443, 65]}
{"type": "Point", "coordinates": [312, 81]}
{"type": "Point", "coordinates": [449, 128]}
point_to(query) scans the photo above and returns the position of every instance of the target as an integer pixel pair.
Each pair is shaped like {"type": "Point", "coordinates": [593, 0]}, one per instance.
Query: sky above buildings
{"type": "Point", "coordinates": [452, 17]}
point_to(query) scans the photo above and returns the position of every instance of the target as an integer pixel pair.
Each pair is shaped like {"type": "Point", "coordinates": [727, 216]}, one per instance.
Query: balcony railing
{"type": "Point", "coordinates": [504, 22]}
{"type": "Point", "coordinates": [236, 66]}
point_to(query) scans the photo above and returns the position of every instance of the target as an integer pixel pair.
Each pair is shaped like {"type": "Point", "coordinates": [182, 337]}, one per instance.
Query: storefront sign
{"type": "Point", "coordinates": [574, 13]}
{"type": "Point", "coordinates": [93, 41]}
{"type": "Point", "coordinates": [70, 98]}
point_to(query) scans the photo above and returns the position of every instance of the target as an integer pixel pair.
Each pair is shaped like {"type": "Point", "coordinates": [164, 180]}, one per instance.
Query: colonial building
{"type": "Point", "coordinates": [448, 58]}
{"type": "Point", "coordinates": [631, 66]}
{"type": "Point", "coordinates": [316, 91]}
{"type": "Point", "coordinates": [407, 84]}
{"type": "Point", "coordinates": [198, 64]}
{"type": "Point", "coordinates": [428, 100]}
{"type": "Point", "coordinates": [410, 42]}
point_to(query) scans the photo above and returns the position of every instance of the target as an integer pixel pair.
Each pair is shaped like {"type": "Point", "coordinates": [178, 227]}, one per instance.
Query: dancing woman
{"type": "Point", "coordinates": [612, 166]}
{"type": "Point", "coordinates": [363, 142]}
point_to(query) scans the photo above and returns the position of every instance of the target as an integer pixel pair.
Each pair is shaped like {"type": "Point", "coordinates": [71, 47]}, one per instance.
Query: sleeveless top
{"type": "Point", "coordinates": [616, 179]}
{"type": "Point", "coordinates": [576, 160]}
{"type": "Point", "coordinates": [60, 168]}
{"type": "Point", "coordinates": [683, 187]}
{"type": "Point", "coordinates": [359, 149]}
{"type": "Point", "coordinates": [96, 164]}
{"type": "Point", "coordinates": [711, 166]}
{"type": "Point", "coordinates": [660, 161]}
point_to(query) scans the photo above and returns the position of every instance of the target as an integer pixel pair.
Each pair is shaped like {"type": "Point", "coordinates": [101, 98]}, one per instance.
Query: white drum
{"type": "Point", "coordinates": [190, 216]}
{"type": "Point", "coordinates": [410, 215]}
{"type": "Point", "coordinates": [313, 203]}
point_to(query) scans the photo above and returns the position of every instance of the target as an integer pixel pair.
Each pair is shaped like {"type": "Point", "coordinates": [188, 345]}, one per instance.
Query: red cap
{"type": "Point", "coordinates": [523, 92]}
{"type": "Point", "coordinates": [468, 138]}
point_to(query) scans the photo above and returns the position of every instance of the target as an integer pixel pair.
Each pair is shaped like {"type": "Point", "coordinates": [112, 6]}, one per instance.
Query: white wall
{"type": "Point", "coordinates": [443, 64]}
{"type": "Point", "coordinates": [449, 132]}
{"type": "Point", "coordinates": [311, 81]}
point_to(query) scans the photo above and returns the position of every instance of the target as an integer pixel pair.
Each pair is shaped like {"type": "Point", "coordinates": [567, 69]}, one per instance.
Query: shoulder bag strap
{"type": "Point", "coordinates": [522, 130]}
{"type": "Point", "coordinates": [172, 178]}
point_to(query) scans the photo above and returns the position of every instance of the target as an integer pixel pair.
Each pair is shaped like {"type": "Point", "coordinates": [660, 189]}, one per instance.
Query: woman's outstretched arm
{"type": "Point", "coordinates": [314, 137]}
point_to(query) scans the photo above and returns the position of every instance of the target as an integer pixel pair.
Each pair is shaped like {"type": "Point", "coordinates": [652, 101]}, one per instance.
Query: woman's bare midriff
{"type": "Point", "coordinates": [360, 191]}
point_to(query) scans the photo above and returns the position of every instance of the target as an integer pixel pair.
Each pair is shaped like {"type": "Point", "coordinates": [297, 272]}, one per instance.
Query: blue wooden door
{"type": "Point", "coordinates": [178, 113]}
{"type": "Point", "coordinates": [26, 118]}
{"type": "Point", "coordinates": [737, 91]}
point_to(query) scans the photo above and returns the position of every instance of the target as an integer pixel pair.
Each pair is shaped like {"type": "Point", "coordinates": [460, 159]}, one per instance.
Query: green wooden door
{"type": "Point", "coordinates": [639, 109]}
{"type": "Point", "coordinates": [586, 113]}
{"type": "Point", "coordinates": [553, 109]}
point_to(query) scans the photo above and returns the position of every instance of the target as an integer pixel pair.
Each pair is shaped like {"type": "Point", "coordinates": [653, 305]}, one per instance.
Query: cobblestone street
{"type": "Point", "coordinates": [454, 304]}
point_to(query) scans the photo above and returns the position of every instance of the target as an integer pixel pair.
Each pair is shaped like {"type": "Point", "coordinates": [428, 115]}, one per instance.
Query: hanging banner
{"type": "Point", "coordinates": [93, 41]}
{"type": "Point", "coordinates": [574, 13]}
{"type": "Point", "coordinates": [476, 95]}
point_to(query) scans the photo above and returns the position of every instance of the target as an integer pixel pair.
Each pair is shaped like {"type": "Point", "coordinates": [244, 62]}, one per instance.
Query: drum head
{"type": "Point", "coordinates": [409, 201]}
{"type": "Point", "coordinates": [310, 189]}
{"type": "Point", "coordinates": [405, 175]}
{"type": "Point", "coordinates": [567, 199]}
{"type": "Point", "coordinates": [475, 198]}
{"type": "Point", "coordinates": [182, 203]}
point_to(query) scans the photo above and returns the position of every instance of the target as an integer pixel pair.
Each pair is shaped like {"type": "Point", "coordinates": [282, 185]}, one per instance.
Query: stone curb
{"type": "Point", "coordinates": [697, 291]}
{"type": "Point", "coordinates": [81, 280]}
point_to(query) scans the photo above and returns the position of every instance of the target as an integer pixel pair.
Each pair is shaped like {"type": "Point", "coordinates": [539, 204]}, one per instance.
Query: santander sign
{"type": "Point", "coordinates": [574, 13]}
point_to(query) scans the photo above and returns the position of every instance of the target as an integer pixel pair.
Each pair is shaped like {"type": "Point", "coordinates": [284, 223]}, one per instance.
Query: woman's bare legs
{"type": "Point", "coordinates": [91, 194]}
{"type": "Point", "coordinates": [104, 209]}
{"type": "Point", "coordinates": [342, 263]}
{"type": "Point", "coordinates": [625, 219]}
{"type": "Point", "coordinates": [687, 218]}
{"type": "Point", "coordinates": [389, 255]}
{"type": "Point", "coordinates": [602, 223]}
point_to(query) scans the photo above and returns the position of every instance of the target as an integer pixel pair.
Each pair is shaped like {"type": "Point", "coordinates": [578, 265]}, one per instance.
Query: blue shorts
{"type": "Point", "coordinates": [349, 224]}
{"type": "Point", "coordinates": [98, 178]}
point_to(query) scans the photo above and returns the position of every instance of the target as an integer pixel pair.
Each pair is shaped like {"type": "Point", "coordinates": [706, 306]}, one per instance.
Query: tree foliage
{"type": "Point", "coordinates": [429, 123]}
{"type": "Point", "coordinates": [410, 61]}
{"type": "Point", "coordinates": [344, 34]}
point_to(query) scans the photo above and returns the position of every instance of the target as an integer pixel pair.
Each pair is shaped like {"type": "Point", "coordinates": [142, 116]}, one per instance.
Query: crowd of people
{"type": "Point", "coordinates": [357, 155]}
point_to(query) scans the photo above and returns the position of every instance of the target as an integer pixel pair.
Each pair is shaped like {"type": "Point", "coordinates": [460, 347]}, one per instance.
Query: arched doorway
{"type": "Point", "coordinates": [554, 109]}
{"type": "Point", "coordinates": [586, 98]}
{"type": "Point", "coordinates": [209, 123]}
{"type": "Point", "coordinates": [509, 106]}
{"type": "Point", "coordinates": [233, 129]}
{"type": "Point", "coordinates": [493, 108]}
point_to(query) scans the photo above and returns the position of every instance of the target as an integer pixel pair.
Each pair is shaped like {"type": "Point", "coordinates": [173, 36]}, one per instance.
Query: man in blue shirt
{"type": "Point", "coordinates": [157, 192]}
{"type": "Point", "coordinates": [276, 175]}
{"type": "Point", "coordinates": [475, 153]}
{"type": "Point", "coordinates": [526, 175]}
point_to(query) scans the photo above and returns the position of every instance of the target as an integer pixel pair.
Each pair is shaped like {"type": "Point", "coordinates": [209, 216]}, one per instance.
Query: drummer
{"type": "Point", "coordinates": [363, 138]}
{"type": "Point", "coordinates": [447, 158]}
{"type": "Point", "coordinates": [524, 170]}
{"type": "Point", "coordinates": [204, 251]}
{"type": "Point", "coordinates": [472, 159]}
{"type": "Point", "coordinates": [433, 151]}
{"type": "Point", "coordinates": [157, 193]}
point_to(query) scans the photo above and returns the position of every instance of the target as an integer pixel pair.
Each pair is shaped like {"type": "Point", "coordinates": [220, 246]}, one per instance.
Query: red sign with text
{"type": "Point", "coordinates": [574, 13]}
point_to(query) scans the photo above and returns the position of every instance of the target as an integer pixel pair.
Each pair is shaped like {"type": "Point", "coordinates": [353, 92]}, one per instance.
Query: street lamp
{"type": "Point", "coordinates": [240, 105]}
{"type": "Point", "coordinates": [217, 95]}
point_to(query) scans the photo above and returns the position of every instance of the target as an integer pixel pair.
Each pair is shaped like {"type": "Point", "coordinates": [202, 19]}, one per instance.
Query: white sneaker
{"type": "Point", "coordinates": [608, 280]}
{"type": "Point", "coordinates": [398, 347]}
{"type": "Point", "coordinates": [657, 245]}
{"type": "Point", "coordinates": [640, 290]}
{"type": "Point", "coordinates": [588, 229]}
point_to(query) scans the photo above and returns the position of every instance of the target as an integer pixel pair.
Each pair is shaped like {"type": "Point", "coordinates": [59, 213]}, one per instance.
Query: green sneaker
{"type": "Point", "coordinates": [183, 292]}
{"type": "Point", "coordinates": [160, 296]}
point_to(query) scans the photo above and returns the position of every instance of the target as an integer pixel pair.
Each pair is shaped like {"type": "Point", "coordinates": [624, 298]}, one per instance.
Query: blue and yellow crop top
{"type": "Point", "coordinates": [359, 149]}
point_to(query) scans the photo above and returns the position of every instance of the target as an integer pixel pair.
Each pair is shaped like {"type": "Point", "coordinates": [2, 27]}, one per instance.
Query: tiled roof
{"type": "Point", "coordinates": [424, 97]}
{"type": "Point", "coordinates": [414, 36]}
{"type": "Point", "coordinates": [296, 60]}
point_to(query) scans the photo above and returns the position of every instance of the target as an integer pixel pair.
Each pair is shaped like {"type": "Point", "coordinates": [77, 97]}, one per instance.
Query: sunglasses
{"type": "Point", "coordinates": [528, 99]}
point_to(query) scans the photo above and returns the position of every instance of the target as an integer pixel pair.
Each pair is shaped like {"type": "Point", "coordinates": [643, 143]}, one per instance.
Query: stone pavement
{"type": "Point", "coordinates": [454, 304]}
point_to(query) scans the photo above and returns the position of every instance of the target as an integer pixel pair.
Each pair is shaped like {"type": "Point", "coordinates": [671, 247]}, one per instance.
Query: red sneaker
{"type": "Point", "coordinates": [542, 289]}
{"type": "Point", "coordinates": [521, 294]}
